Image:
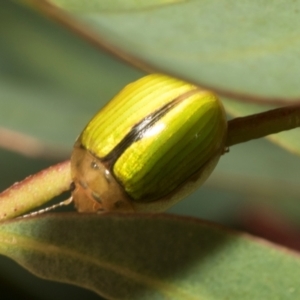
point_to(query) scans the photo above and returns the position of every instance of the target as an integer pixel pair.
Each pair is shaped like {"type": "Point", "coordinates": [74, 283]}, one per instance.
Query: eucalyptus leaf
{"type": "Point", "coordinates": [246, 47]}
{"type": "Point", "coordinates": [151, 257]}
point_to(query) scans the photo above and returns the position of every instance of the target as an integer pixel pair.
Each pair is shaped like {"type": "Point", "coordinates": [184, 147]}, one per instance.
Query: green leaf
{"type": "Point", "coordinates": [246, 47]}
{"type": "Point", "coordinates": [151, 257]}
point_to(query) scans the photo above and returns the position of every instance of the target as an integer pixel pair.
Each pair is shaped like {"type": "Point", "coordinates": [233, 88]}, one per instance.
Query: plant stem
{"type": "Point", "coordinates": [244, 129]}
{"type": "Point", "coordinates": [35, 190]}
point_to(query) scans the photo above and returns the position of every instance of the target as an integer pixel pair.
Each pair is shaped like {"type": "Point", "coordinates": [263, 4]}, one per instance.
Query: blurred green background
{"type": "Point", "coordinates": [52, 83]}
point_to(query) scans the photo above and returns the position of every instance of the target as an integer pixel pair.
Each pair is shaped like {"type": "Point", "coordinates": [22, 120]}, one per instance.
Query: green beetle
{"type": "Point", "coordinates": [153, 144]}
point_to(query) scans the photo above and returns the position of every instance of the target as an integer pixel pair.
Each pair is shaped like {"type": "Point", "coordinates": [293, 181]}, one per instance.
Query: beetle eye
{"type": "Point", "coordinates": [72, 186]}
{"type": "Point", "coordinates": [94, 165]}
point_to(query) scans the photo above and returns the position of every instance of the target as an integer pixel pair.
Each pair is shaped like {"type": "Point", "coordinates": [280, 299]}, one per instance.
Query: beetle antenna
{"type": "Point", "coordinates": [43, 210]}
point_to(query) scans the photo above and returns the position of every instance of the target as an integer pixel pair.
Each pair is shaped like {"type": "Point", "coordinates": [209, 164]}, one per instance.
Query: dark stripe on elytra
{"type": "Point", "coordinates": [138, 130]}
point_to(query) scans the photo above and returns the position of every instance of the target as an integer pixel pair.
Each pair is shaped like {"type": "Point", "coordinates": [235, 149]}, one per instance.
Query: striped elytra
{"type": "Point", "coordinates": [151, 145]}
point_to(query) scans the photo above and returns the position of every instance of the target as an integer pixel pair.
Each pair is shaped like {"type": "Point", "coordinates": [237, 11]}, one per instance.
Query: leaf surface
{"type": "Point", "coordinates": [151, 257]}
{"type": "Point", "coordinates": [249, 47]}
